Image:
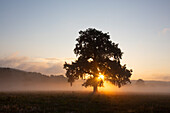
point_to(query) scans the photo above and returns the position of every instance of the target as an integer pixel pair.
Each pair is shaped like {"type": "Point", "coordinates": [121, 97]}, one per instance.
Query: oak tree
{"type": "Point", "coordinates": [98, 60]}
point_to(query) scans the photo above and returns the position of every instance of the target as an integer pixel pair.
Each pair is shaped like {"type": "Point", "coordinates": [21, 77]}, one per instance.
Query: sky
{"type": "Point", "coordinates": [39, 35]}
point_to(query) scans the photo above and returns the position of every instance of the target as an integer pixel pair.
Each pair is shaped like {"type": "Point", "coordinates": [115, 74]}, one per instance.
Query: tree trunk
{"type": "Point", "coordinates": [95, 90]}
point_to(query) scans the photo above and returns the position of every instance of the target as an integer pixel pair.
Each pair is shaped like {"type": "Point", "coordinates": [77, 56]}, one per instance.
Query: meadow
{"type": "Point", "coordinates": [83, 102]}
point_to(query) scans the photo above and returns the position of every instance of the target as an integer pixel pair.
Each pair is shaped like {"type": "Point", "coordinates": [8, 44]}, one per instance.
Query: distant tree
{"type": "Point", "coordinates": [140, 82]}
{"type": "Point", "coordinates": [98, 61]}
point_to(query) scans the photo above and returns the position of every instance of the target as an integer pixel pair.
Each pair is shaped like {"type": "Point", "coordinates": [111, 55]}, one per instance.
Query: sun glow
{"type": "Point", "coordinates": [101, 76]}
{"type": "Point", "coordinates": [87, 76]}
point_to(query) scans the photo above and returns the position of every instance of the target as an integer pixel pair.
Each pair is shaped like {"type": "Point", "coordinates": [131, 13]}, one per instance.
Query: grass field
{"type": "Point", "coordinates": [83, 102]}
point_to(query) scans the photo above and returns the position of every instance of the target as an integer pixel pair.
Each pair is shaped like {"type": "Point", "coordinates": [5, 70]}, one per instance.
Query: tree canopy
{"type": "Point", "coordinates": [98, 60]}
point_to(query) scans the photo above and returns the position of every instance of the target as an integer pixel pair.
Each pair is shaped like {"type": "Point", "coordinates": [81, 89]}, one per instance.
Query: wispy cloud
{"type": "Point", "coordinates": [165, 31]}
{"type": "Point", "coordinates": [43, 65]}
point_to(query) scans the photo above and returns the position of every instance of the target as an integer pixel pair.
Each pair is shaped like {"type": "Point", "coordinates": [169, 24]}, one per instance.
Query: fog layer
{"type": "Point", "coordinates": [17, 80]}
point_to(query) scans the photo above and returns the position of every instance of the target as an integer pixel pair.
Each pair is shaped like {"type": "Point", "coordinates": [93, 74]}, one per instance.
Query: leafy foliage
{"type": "Point", "coordinates": [97, 54]}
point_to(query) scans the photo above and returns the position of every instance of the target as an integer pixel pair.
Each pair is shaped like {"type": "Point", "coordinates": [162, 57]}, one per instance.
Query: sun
{"type": "Point", "coordinates": [101, 76]}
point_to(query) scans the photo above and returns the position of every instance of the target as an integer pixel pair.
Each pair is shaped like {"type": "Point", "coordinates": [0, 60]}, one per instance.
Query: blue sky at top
{"type": "Point", "coordinates": [48, 29]}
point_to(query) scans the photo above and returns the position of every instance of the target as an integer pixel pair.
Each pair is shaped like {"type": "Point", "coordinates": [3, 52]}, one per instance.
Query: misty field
{"type": "Point", "coordinates": [83, 102]}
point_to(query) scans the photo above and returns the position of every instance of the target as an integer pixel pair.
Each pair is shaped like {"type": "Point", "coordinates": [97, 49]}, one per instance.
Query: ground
{"type": "Point", "coordinates": [83, 102]}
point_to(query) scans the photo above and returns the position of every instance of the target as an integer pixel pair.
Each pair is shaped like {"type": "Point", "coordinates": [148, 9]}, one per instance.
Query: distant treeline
{"type": "Point", "coordinates": [13, 79]}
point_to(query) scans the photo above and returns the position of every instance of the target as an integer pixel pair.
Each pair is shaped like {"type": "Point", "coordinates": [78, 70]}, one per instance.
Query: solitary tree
{"type": "Point", "coordinates": [98, 61]}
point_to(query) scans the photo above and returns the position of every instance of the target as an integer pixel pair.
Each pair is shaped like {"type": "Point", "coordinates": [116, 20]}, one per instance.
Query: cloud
{"type": "Point", "coordinates": [12, 60]}
{"type": "Point", "coordinates": [43, 65]}
{"type": "Point", "coordinates": [165, 31]}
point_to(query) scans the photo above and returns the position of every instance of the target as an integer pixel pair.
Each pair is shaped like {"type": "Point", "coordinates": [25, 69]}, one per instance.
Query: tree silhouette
{"type": "Point", "coordinates": [98, 61]}
{"type": "Point", "coordinates": [140, 82]}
